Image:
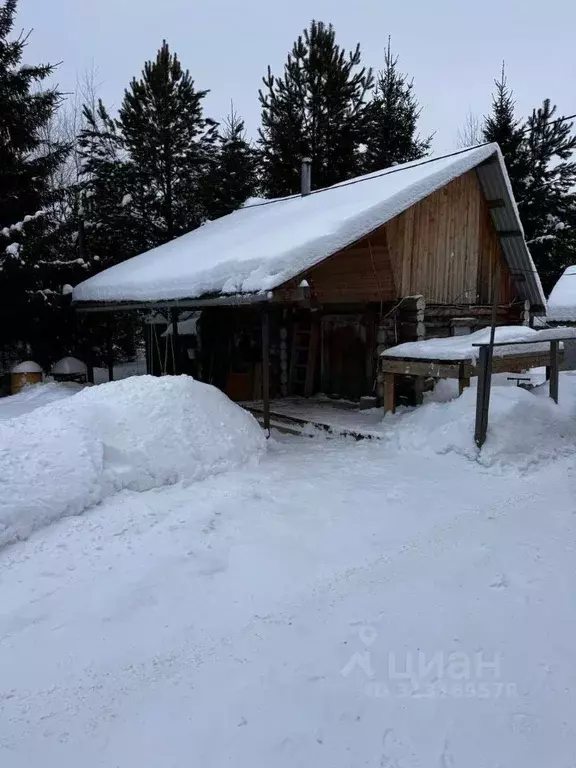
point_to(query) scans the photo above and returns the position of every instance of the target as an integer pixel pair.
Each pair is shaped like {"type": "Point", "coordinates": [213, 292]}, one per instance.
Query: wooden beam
{"type": "Point", "coordinates": [463, 383]}
{"type": "Point", "coordinates": [426, 368]}
{"type": "Point", "coordinates": [497, 202]}
{"type": "Point", "coordinates": [389, 393]}
{"type": "Point", "coordinates": [509, 233]}
{"type": "Point", "coordinates": [266, 368]}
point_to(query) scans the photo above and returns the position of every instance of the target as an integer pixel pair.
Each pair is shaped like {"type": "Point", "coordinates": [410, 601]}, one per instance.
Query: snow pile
{"type": "Point", "coordinates": [35, 396]}
{"type": "Point", "coordinates": [139, 433]}
{"type": "Point", "coordinates": [526, 429]}
{"type": "Point", "coordinates": [462, 347]}
{"type": "Point", "coordinates": [562, 300]}
{"type": "Point", "coordinates": [259, 247]}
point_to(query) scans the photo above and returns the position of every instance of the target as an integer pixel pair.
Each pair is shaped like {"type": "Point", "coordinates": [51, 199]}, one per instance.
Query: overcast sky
{"type": "Point", "coordinates": [452, 48]}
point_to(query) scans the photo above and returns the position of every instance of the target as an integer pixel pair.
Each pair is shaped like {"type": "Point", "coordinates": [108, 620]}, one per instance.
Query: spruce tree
{"type": "Point", "coordinates": [394, 112]}
{"type": "Point", "coordinates": [538, 155]}
{"type": "Point", "coordinates": [317, 108]}
{"type": "Point", "coordinates": [549, 206]}
{"type": "Point", "coordinates": [170, 144]}
{"type": "Point", "coordinates": [233, 176]}
{"type": "Point", "coordinates": [110, 225]}
{"type": "Point", "coordinates": [30, 261]}
{"type": "Point", "coordinates": [108, 184]}
{"type": "Point", "coordinates": [503, 127]}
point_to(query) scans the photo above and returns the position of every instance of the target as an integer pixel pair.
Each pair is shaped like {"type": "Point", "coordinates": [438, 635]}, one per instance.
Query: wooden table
{"type": "Point", "coordinates": [463, 370]}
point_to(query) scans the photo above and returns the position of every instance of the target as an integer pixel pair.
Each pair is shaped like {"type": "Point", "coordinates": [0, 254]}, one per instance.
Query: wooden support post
{"type": "Point", "coordinates": [389, 392]}
{"type": "Point", "coordinates": [485, 367]}
{"type": "Point", "coordinates": [463, 383]}
{"type": "Point", "coordinates": [174, 314]}
{"type": "Point", "coordinates": [266, 368]}
{"type": "Point", "coordinates": [312, 357]}
{"type": "Point", "coordinates": [109, 349]}
{"type": "Point", "coordinates": [419, 390]}
{"type": "Point", "coordinates": [483, 395]}
{"type": "Point", "coordinates": [554, 369]}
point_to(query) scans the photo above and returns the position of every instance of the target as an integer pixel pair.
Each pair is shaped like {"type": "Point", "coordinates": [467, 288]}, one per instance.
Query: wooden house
{"type": "Point", "coordinates": [299, 295]}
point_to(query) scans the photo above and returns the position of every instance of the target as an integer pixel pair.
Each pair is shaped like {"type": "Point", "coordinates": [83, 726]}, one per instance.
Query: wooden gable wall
{"type": "Point", "coordinates": [445, 248]}
{"type": "Point", "coordinates": [358, 274]}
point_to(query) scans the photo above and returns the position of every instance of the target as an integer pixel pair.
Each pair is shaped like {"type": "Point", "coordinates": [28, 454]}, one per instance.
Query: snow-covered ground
{"type": "Point", "coordinates": [392, 603]}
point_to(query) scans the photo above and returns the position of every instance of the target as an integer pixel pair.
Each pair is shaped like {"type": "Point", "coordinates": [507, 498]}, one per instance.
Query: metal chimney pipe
{"type": "Point", "coordinates": [306, 176]}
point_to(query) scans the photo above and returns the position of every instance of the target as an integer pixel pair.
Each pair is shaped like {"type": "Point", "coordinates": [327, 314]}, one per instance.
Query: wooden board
{"type": "Point", "coordinates": [462, 369]}
{"type": "Point", "coordinates": [427, 368]}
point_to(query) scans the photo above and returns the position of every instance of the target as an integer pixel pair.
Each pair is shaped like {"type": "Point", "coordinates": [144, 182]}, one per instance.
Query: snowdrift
{"type": "Point", "coordinates": [138, 434]}
{"type": "Point", "coordinates": [526, 429]}
{"type": "Point", "coordinates": [34, 396]}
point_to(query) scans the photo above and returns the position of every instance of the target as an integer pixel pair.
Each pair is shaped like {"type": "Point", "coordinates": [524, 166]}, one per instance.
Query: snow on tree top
{"type": "Point", "coordinates": [562, 300]}
{"type": "Point", "coordinates": [259, 247]}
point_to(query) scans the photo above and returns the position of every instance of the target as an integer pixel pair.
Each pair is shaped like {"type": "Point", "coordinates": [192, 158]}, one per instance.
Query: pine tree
{"type": "Point", "coordinates": [30, 261]}
{"type": "Point", "coordinates": [316, 109]}
{"type": "Point", "coordinates": [169, 143]}
{"type": "Point", "coordinates": [233, 175]}
{"type": "Point", "coordinates": [502, 127]}
{"type": "Point", "coordinates": [394, 112]}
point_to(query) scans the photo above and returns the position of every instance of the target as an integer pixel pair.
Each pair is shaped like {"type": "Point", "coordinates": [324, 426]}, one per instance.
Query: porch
{"type": "Point", "coordinates": [337, 418]}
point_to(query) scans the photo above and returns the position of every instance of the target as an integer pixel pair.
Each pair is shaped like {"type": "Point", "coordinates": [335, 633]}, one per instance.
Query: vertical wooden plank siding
{"type": "Point", "coordinates": [360, 273]}
{"type": "Point", "coordinates": [445, 248]}
{"type": "Point", "coordinates": [448, 246]}
{"type": "Point", "coordinates": [490, 255]}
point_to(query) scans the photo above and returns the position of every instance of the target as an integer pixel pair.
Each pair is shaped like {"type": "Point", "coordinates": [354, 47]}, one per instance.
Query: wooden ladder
{"type": "Point", "coordinates": [303, 358]}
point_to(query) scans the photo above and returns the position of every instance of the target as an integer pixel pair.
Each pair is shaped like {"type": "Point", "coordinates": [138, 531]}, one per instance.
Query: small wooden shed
{"type": "Point", "coordinates": [300, 295]}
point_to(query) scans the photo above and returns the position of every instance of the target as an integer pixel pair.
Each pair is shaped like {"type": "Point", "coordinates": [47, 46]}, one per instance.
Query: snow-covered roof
{"type": "Point", "coordinates": [69, 366]}
{"type": "Point", "coordinates": [463, 347]}
{"type": "Point", "coordinates": [562, 300]}
{"type": "Point", "coordinates": [262, 245]}
{"type": "Point", "coordinates": [28, 366]}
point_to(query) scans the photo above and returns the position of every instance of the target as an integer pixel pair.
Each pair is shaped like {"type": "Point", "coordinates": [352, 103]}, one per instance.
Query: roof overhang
{"type": "Point", "coordinates": [238, 300]}
{"type": "Point", "coordinates": [495, 185]}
